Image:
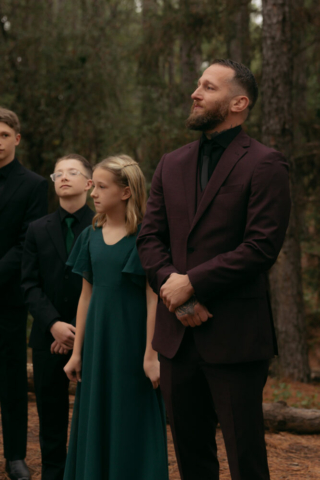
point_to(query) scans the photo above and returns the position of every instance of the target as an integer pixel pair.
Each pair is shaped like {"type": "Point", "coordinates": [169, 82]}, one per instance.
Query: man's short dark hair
{"type": "Point", "coordinates": [10, 118]}
{"type": "Point", "coordinates": [243, 77]}
{"type": "Point", "coordinates": [74, 156]}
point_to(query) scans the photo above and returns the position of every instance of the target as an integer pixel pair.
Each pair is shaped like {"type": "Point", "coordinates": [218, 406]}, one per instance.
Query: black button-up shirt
{"type": "Point", "coordinates": [213, 150]}
{"type": "Point", "coordinates": [5, 172]}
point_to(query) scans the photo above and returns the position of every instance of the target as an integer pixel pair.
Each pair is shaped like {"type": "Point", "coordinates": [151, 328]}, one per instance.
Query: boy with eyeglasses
{"type": "Point", "coordinates": [52, 292]}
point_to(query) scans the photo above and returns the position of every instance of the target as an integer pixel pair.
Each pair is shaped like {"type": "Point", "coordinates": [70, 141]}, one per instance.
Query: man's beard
{"type": "Point", "coordinates": [209, 119]}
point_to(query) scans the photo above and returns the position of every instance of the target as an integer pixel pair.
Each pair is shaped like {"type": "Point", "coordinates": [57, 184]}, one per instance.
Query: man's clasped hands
{"type": "Point", "coordinates": [177, 294]}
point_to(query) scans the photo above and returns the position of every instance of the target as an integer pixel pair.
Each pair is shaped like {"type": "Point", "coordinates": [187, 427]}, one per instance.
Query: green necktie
{"type": "Point", "coordinates": [70, 235]}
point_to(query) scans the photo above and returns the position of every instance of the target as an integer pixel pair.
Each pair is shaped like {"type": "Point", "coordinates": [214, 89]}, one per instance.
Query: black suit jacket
{"type": "Point", "coordinates": [23, 199]}
{"type": "Point", "coordinates": [50, 288]}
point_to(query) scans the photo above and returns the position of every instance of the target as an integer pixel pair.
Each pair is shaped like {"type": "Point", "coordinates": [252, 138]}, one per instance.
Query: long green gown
{"type": "Point", "coordinates": [118, 427]}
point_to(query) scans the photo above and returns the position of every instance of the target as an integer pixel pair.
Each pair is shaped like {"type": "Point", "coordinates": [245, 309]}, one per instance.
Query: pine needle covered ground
{"type": "Point", "coordinates": [290, 456]}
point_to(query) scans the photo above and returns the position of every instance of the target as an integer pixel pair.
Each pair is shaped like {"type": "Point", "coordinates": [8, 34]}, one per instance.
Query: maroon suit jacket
{"type": "Point", "coordinates": [226, 246]}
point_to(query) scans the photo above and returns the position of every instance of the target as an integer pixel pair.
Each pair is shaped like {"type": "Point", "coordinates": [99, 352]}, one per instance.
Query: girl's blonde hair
{"type": "Point", "coordinates": [127, 173]}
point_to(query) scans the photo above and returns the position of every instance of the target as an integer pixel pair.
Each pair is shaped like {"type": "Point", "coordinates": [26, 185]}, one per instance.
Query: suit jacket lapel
{"type": "Point", "coordinates": [13, 182]}
{"type": "Point", "coordinates": [236, 150]}
{"type": "Point", "coordinates": [189, 164]}
{"type": "Point", "coordinates": [55, 232]}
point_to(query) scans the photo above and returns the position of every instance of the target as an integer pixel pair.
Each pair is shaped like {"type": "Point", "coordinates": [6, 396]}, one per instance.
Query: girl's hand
{"type": "Point", "coordinates": [151, 367]}
{"type": "Point", "coordinates": [73, 369]}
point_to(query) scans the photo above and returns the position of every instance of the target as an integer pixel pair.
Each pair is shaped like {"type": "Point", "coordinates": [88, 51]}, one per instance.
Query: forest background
{"type": "Point", "coordinates": [100, 77]}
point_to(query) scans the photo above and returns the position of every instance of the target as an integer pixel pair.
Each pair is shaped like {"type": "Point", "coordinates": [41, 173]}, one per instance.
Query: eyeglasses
{"type": "Point", "coordinates": [72, 172]}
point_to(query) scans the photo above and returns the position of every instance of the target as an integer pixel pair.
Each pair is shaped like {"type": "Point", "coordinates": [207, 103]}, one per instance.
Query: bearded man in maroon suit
{"type": "Point", "coordinates": [215, 223]}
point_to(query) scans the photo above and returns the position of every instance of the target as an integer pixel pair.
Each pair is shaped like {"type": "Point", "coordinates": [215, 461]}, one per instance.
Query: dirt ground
{"type": "Point", "coordinates": [290, 456]}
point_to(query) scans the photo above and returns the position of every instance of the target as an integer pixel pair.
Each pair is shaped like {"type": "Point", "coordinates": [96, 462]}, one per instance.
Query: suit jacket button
{"type": "Point", "coordinates": [65, 299]}
{"type": "Point", "coordinates": [190, 249]}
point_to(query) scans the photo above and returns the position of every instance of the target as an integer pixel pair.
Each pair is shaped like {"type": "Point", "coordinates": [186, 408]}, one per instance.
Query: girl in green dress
{"type": "Point", "coordinates": [118, 428]}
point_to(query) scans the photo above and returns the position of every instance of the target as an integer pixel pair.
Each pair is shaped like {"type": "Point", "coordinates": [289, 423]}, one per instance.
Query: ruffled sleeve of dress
{"type": "Point", "coordinates": [80, 258]}
{"type": "Point", "coordinates": [134, 268]}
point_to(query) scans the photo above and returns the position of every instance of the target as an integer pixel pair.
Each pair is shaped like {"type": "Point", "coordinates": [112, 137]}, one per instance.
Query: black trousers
{"type": "Point", "coordinates": [198, 395]}
{"type": "Point", "coordinates": [51, 388]}
{"type": "Point", "coordinates": [13, 381]}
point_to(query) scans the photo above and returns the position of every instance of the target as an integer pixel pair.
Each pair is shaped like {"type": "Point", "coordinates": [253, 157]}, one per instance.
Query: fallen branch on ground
{"type": "Point", "coordinates": [279, 417]}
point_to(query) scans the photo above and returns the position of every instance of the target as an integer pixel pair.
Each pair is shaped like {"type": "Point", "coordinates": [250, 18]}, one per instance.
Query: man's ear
{"type": "Point", "coordinates": [239, 103]}
{"type": "Point", "coordinates": [126, 193]}
{"type": "Point", "coordinates": [88, 185]}
{"type": "Point", "coordinates": [18, 138]}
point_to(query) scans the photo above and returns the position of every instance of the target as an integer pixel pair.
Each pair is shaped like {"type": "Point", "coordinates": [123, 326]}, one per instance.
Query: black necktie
{"type": "Point", "coordinates": [70, 235]}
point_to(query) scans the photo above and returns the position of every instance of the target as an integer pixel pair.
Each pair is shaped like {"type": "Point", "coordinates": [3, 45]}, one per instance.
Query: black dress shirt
{"type": "Point", "coordinates": [210, 152]}
{"type": "Point", "coordinates": [5, 171]}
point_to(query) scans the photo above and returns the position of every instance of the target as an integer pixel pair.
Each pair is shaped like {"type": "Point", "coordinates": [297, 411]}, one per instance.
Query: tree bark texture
{"type": "Point", "coordinates": [191, 30]}
{"type": "Point", "coordinates": [277, 132]}
{"type": "Point", "coordinates": [149, 71]}
{"type": "Point", "coordinates": [237, 30]}
{"type": "Point", "coordinates": [279, 417]}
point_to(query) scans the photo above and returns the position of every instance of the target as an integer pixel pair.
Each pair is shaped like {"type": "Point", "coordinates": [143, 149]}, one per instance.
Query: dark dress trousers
{"type": "Point", "coordinates": [23, 198]}
{"type": "Point", "coordinates": [226, 238]}
{"type": "Point", "coordinates": [52, 293]}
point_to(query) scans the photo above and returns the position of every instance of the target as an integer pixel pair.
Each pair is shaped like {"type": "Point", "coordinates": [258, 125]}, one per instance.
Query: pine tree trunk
{"type": "Point", "coordinates": [190, 48]}
{"type": "Point", "coordinates": [149, 70]}
{"type": "Point", "coordinates": [237, 28]}
{"type": "Point", "coordinates": [277, 130]}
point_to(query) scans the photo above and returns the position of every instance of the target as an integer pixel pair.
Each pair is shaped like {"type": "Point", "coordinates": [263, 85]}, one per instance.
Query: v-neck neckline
{"type": "Point", "coordinates": [112, 244]}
